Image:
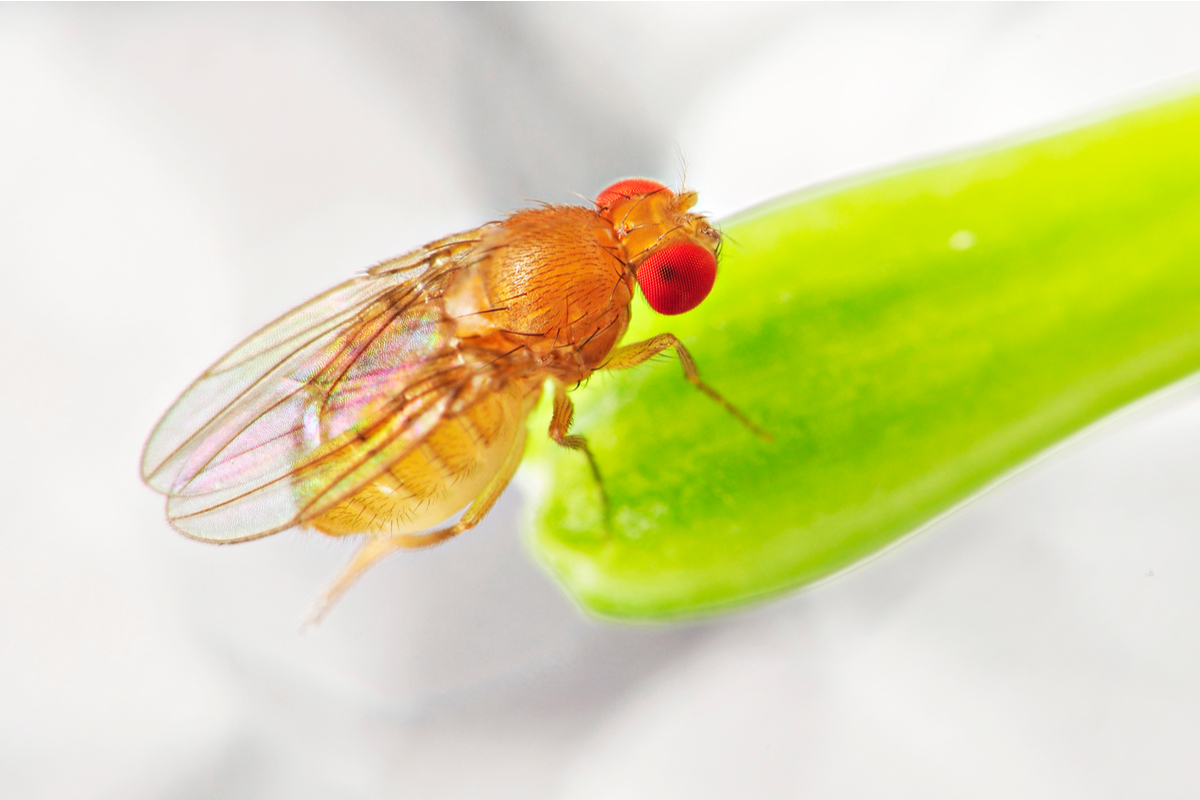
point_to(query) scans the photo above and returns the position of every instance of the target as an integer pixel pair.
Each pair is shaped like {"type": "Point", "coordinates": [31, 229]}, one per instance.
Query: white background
{"type": "Point", "coordinates": [174, 176]}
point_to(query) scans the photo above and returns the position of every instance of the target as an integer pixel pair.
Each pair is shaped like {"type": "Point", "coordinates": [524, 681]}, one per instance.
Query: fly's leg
{"type": "Point", "coordinates": [560, 423]}
{"type": "Point", "coordinates": [633, 354]}
{"type": "Point", "coordinates": [380, 545]}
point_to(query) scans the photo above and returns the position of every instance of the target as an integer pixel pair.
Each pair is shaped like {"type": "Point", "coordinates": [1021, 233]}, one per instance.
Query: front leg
{"type": "Point", "coordinates": [633, 354]}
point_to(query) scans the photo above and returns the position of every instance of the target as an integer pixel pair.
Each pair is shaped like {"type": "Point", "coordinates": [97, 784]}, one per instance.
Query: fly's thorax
{"type": "Point", "coordinates": [645, 223]}
{"type": "Point", "coordinates": [552, 282]}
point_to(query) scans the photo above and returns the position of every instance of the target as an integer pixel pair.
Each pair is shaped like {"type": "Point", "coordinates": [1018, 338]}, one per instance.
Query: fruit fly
{"type": "Point", "coordinates": [392, 402]}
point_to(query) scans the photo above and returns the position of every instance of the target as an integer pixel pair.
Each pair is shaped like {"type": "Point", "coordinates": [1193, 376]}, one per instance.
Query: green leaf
{"type": "Point", "coordinates": [907, 338]}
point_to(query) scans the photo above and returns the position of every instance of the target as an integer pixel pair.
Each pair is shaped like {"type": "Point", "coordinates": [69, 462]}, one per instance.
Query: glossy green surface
{"type": "Point", "coordinates": [908, 338]}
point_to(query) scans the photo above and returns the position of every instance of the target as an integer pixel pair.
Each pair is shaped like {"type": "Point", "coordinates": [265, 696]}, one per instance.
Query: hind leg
{"type": "Point", "coordinates": [380, 545]}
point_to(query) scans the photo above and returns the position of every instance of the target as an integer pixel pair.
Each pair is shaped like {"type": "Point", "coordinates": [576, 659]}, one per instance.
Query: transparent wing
{"type": "Point", "coordinates": [315, 405]}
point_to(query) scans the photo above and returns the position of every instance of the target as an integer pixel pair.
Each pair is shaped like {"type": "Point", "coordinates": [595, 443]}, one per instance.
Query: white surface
{"type": "Point", "coordinates": [176, 176]}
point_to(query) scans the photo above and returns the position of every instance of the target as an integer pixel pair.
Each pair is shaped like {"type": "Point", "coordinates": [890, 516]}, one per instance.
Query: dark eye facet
{"type": "Point", "coordinates": [678, 277]}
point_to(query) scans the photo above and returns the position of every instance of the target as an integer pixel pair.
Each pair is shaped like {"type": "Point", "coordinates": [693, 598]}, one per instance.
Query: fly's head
{"type": "Point", "coordinates": [672, 251]}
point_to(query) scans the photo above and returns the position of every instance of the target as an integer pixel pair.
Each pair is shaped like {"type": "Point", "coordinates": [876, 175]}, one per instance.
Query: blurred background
{"type": "Point", "coordinates": [175, 176]}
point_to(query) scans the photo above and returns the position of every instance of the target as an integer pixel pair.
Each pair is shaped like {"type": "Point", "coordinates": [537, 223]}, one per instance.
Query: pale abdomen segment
{"type": "Point", "coordinates": [440, 476]}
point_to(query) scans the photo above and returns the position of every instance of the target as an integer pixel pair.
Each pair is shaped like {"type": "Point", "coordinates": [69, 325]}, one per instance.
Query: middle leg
{"type": "Point", "coordinates": [560, 424]}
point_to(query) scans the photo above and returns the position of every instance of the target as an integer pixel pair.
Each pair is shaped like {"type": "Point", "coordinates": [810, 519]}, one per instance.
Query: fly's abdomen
{"type": "Point", "coordinates": [439, 476]}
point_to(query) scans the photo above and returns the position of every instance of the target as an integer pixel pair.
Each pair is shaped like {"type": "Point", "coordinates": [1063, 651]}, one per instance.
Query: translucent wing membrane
{"type": "Point", "coordinates": [315, 405]}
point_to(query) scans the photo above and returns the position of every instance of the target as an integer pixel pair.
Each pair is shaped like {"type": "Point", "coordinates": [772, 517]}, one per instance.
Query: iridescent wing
{"type": "Point", "coordinates": [314, 406]}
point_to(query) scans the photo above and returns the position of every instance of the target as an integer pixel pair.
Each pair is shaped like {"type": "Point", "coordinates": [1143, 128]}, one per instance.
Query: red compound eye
{"type": "Point", "coordinates": [627, 188]}
{"type": "Point", "coordinates": [678, 277]}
